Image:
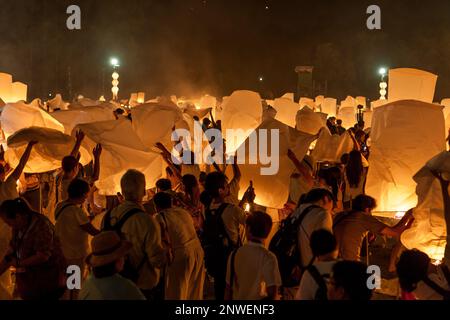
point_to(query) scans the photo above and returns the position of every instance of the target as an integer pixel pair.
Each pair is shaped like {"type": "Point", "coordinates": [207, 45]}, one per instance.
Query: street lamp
{"type": "Point", "coordinates": [383, 84]}
{"type": "Point", "coordinates": [115, 76]}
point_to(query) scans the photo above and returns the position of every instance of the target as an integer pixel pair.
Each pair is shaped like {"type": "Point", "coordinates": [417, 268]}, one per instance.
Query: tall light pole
{"type": "Point", "coordinates": [115, 77]}
{"type": "Point", "coordinates": [383, 84]}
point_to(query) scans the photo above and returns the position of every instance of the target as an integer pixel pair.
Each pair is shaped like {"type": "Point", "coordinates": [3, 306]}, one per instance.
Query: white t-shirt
{"type": "Point", "coordinates": [233, 219]}
{"type": "Point", "coordinates": [317, 219]}
{"type": "Point", "coordinates": [8, 189]}
{"type": "Point", "coordinates": [74, 240]}
{"type": "Point", "coordinates": [308, 285]}
{"type": "Point", "coordinates": [256, 268]}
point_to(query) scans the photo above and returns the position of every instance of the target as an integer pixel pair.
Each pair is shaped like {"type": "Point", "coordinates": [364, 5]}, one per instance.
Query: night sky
{"type": "Point", "coordinates": [192, 47]}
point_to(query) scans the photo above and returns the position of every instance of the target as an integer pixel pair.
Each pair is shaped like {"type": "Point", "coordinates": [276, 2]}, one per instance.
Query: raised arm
{"type": "Point", "coordinates": [96, 152]}
{"type": "Point", "coordinates": [76, 148]}
{"type": "Point", "coordinates": [446, 198]}
{"type": "Point", "coordinates": [23, 161]}
{"type": "Point", "coordinates": [308, 177]}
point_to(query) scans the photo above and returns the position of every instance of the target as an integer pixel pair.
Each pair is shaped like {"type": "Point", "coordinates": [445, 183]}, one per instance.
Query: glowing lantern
{"type": "Point", "coordinates": [405, 83]}
{"type": "Point", "coordinates": [348, 116]}
{"type": "Point", "coordinates": [329, 106]}
{"type": "Point", "coordinates": [141, 97]}
{"type": "Point", "coordinates": [286, 111]}
{"type": "Point", "coordinates": [18, 92]}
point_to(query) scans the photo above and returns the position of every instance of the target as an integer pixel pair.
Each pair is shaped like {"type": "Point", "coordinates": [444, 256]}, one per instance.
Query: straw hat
{"type": "Point", "coordinates": [107, 247]}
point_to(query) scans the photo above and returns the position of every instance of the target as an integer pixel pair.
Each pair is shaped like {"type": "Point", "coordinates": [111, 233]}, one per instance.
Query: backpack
{"type": "Point", "coordinates": [321, 293]}
{"type": "Point", "coordinates": [284, 245]}
{"type": "Point", "coordinates": [216, 242]}
{"type": "Point", "coordinates": [433, 285]}
{"type": "Point", "coordinates": [129, 271]}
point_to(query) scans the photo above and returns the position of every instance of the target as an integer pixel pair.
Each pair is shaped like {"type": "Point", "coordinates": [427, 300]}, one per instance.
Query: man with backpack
{"type": "Point", "coordinates": [291, 244]}
{"type": "Point", "coordinates": [129, 220]}
{"type": "Point", "coordinates": [222, 230]}
{"type": "Point", "coordinates": [313, 285]}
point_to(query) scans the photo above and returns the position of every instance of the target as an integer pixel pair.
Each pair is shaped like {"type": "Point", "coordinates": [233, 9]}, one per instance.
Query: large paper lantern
{"type": "Point", "coordinates": [361, 101]}
{"type": "Point", "coordinates": [307, 102]}
{"type": "Point", "coordinates": [348, 116]}
{"type": "Point", "coordinates": [47, 155]}
{"type": "Point", "coordinates": [329, 107]}
{"type": "Point", "coordinates": [411, 84]}
{"type": "Point", "coordinates": [5, 87]}
{"type": "Point", "coordinates": [349, 102]}
{"type": "Point", "coordinates": [16, 116]}
{"type": "Point", "coordinates": [428, 232]}
{"type": "Point", "coordinates": [310, 122]}
{"type": "Point", "coordinates": [207, 102]}
{"type": "Point", "coordinates": [71, 118]}
{"type": "Point", "coordinates": [122, 150]}
{"type": "Point", "coordinates": [153, 123]}
{"type": "Point", "coordinates": [18, 92]}
{"type": "Point", "coordinates": [286, 111]}
{"type": "Point", "coordinates": [241, 111]}
{"type": "Point", "coordinates": [273, 190]}
{"type": "Point", "coordinates": [331, 147]}
{"type": "Point", "coordinates": [405, 135]}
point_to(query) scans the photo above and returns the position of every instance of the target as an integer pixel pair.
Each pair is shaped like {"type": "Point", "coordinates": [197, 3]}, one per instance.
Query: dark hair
{"type": "Point", "coordinates": [202, 177]}
{"type": "Point", "coordinates": [354, 169]}
{"type": "Point", "coordinates": [119, 111]}
{"type": "Point", "coordinates": [339, 121]}
{"type": "Point", "coordinates": [11, 208]}
{"type": "Point", "coordinates": [164, 184]}
{"type": "Point", "coordinates": [316, 195]}
{"type": "Point", "coordinates": [259, 224]}
{"type": "Point", "coordinates": [352, 277]}
{"type": "Point", "coordinates": [322, 242]}
{"type": "Point", "coordinates": [332, 177]}
{"type": "Point", "coordinates": [69, 163]}
{"type": "Point", "coordinates": [77, 188]}
{"type": "Point", "coordinates": [215, 181]}
{"type": "Point", "coordinates": [344, 158]}
{"type": "Point", "coordinates": [105, 271]}
{"type": "Point", "coordinates": [163, 200]}
{"type": "Point", "coordinates": [412, 267]}
{"type": "Point", "coordinates": [363, 202]}
{"type": "Point", "coordinates": [205, 199]}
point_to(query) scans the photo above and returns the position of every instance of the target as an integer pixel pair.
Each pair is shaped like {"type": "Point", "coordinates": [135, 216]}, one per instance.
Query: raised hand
{"type": "Point", "coordinates": [79, 135]}
{"type": "Point", "coordinates": [97, 151]}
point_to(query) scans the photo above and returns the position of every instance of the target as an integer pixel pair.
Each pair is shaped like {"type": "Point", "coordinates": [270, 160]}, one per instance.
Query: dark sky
{"type": "Point", "coordinates": [191, 47]}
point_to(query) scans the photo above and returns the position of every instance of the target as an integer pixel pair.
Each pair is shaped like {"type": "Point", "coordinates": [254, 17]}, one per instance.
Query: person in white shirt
{"type": "Point", "coordinates": [317, 206]}
{"type": "Point", "coordinates": [185, 274]}
{"type": "Point", "coordinates": [73, 226]}
{"type": "Point", "coordinates": [252, 272]}
{"type": "Point", "coordinates": [313, 283]}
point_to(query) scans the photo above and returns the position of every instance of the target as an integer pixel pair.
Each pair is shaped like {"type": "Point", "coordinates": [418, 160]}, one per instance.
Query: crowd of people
{"type": "Point", "coordinates": [192, 232]}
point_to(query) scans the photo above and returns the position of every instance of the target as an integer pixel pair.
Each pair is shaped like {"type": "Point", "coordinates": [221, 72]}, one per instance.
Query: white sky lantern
{"type": "Point", "coordinates": [331, 147]}
{"type": "Point", "coordinates": [361, 101]}
{"type": "Point", "coordinates": [368, 114]}
{"type": "Point", "coordinates": [57, 103]}
{"type": "Point", "coordinates": [272, 191]}
{"type": "Point", "coordinates": [153, 122]}
{"type": "Point", "coordinates": [405, 135]}
{"type": "Point", "coordinates": [73, 117]}
{"type": "Point", "coordinates": [349, 102]}
{"type": "Point", "coordinates": [307, 102]}
{"type": "Point", "coordinates": [329, 106]}
{"type": "Point", "coordinates": [242, 110]}
{"type": "Point", "coordinates": [414, 84]}
{"type": "Point", "coordinates": [286, 111]}
{"type": "Point", "coordinates": [319, 100]}
{"type": "Point", "coordinates": [18, 92]}
{"type": "Point", "coordinates": [16, 116]}
{"type": "Point", "coordinates": [208, 101]}
{"type": "Point", "coordinates": [5, 87]}
{"type": "Point", "coordinates": [289, 96]}
{"type": "Point", "coordinates": [309, 121]}
{"type": "Point", "coordinates": [141, 97]}
{"type": "Point", "coordinates": [428, 232]}
{"type": "Point", "coordinates": [122, 150]}
{"type": "Point", "coordinates": [348, 116]}
{"type": "Point", "coordinates": [46, 156]}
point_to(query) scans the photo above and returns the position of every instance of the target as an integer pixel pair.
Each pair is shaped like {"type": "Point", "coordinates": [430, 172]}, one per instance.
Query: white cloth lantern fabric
{"type": "Point", "coordinates": [154, 122]}
{"type": "Point", "coordinates": [307, 102]}
{"type": "Point", "coordinates": [241, 111]}
{"type": "Point", "coordinates": [361, 101]}
{"type": "Point", "coordinates": [57, 103]}
{"type": "Point", "coordinates": [428, 232]}
{"type": "Point", "coordinates": [348, 116]}
{"type": "Point", "coordinates": [329, 107]}
{"type": "Point", "coordinates": [207, 102]}
{"type": "Point", "coordinates": [5, 87]}
{"type": "Point", "coordinates": [368, 118]}
{"type": "Point", "coordinates": [310, 122]}
{"type": "Point", "coordinates": [404, 136]}
{"type": "Point", "coordinates": [47, 155]}
{"type": "Point", "coordinates": [273, 190]}
{"type": "Point", "coordinates": [349, 102]}
{"type": "Point", "coordinates": [331, 147]}
{"type": "Point", "coordinates": [71, 118]}
{"type": "Point", "coordinates": [122, 150]}
{"type": "Point", "coordinates": [16, 116]}
{"type": "Point", "coordinates": [286, 111]}
{"type": "Point", "coordinates": [411, 84]}
{"type": "Point", "coordinates": [289, 96]}
{"type": "Point", "coordinates": [18, 92]}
